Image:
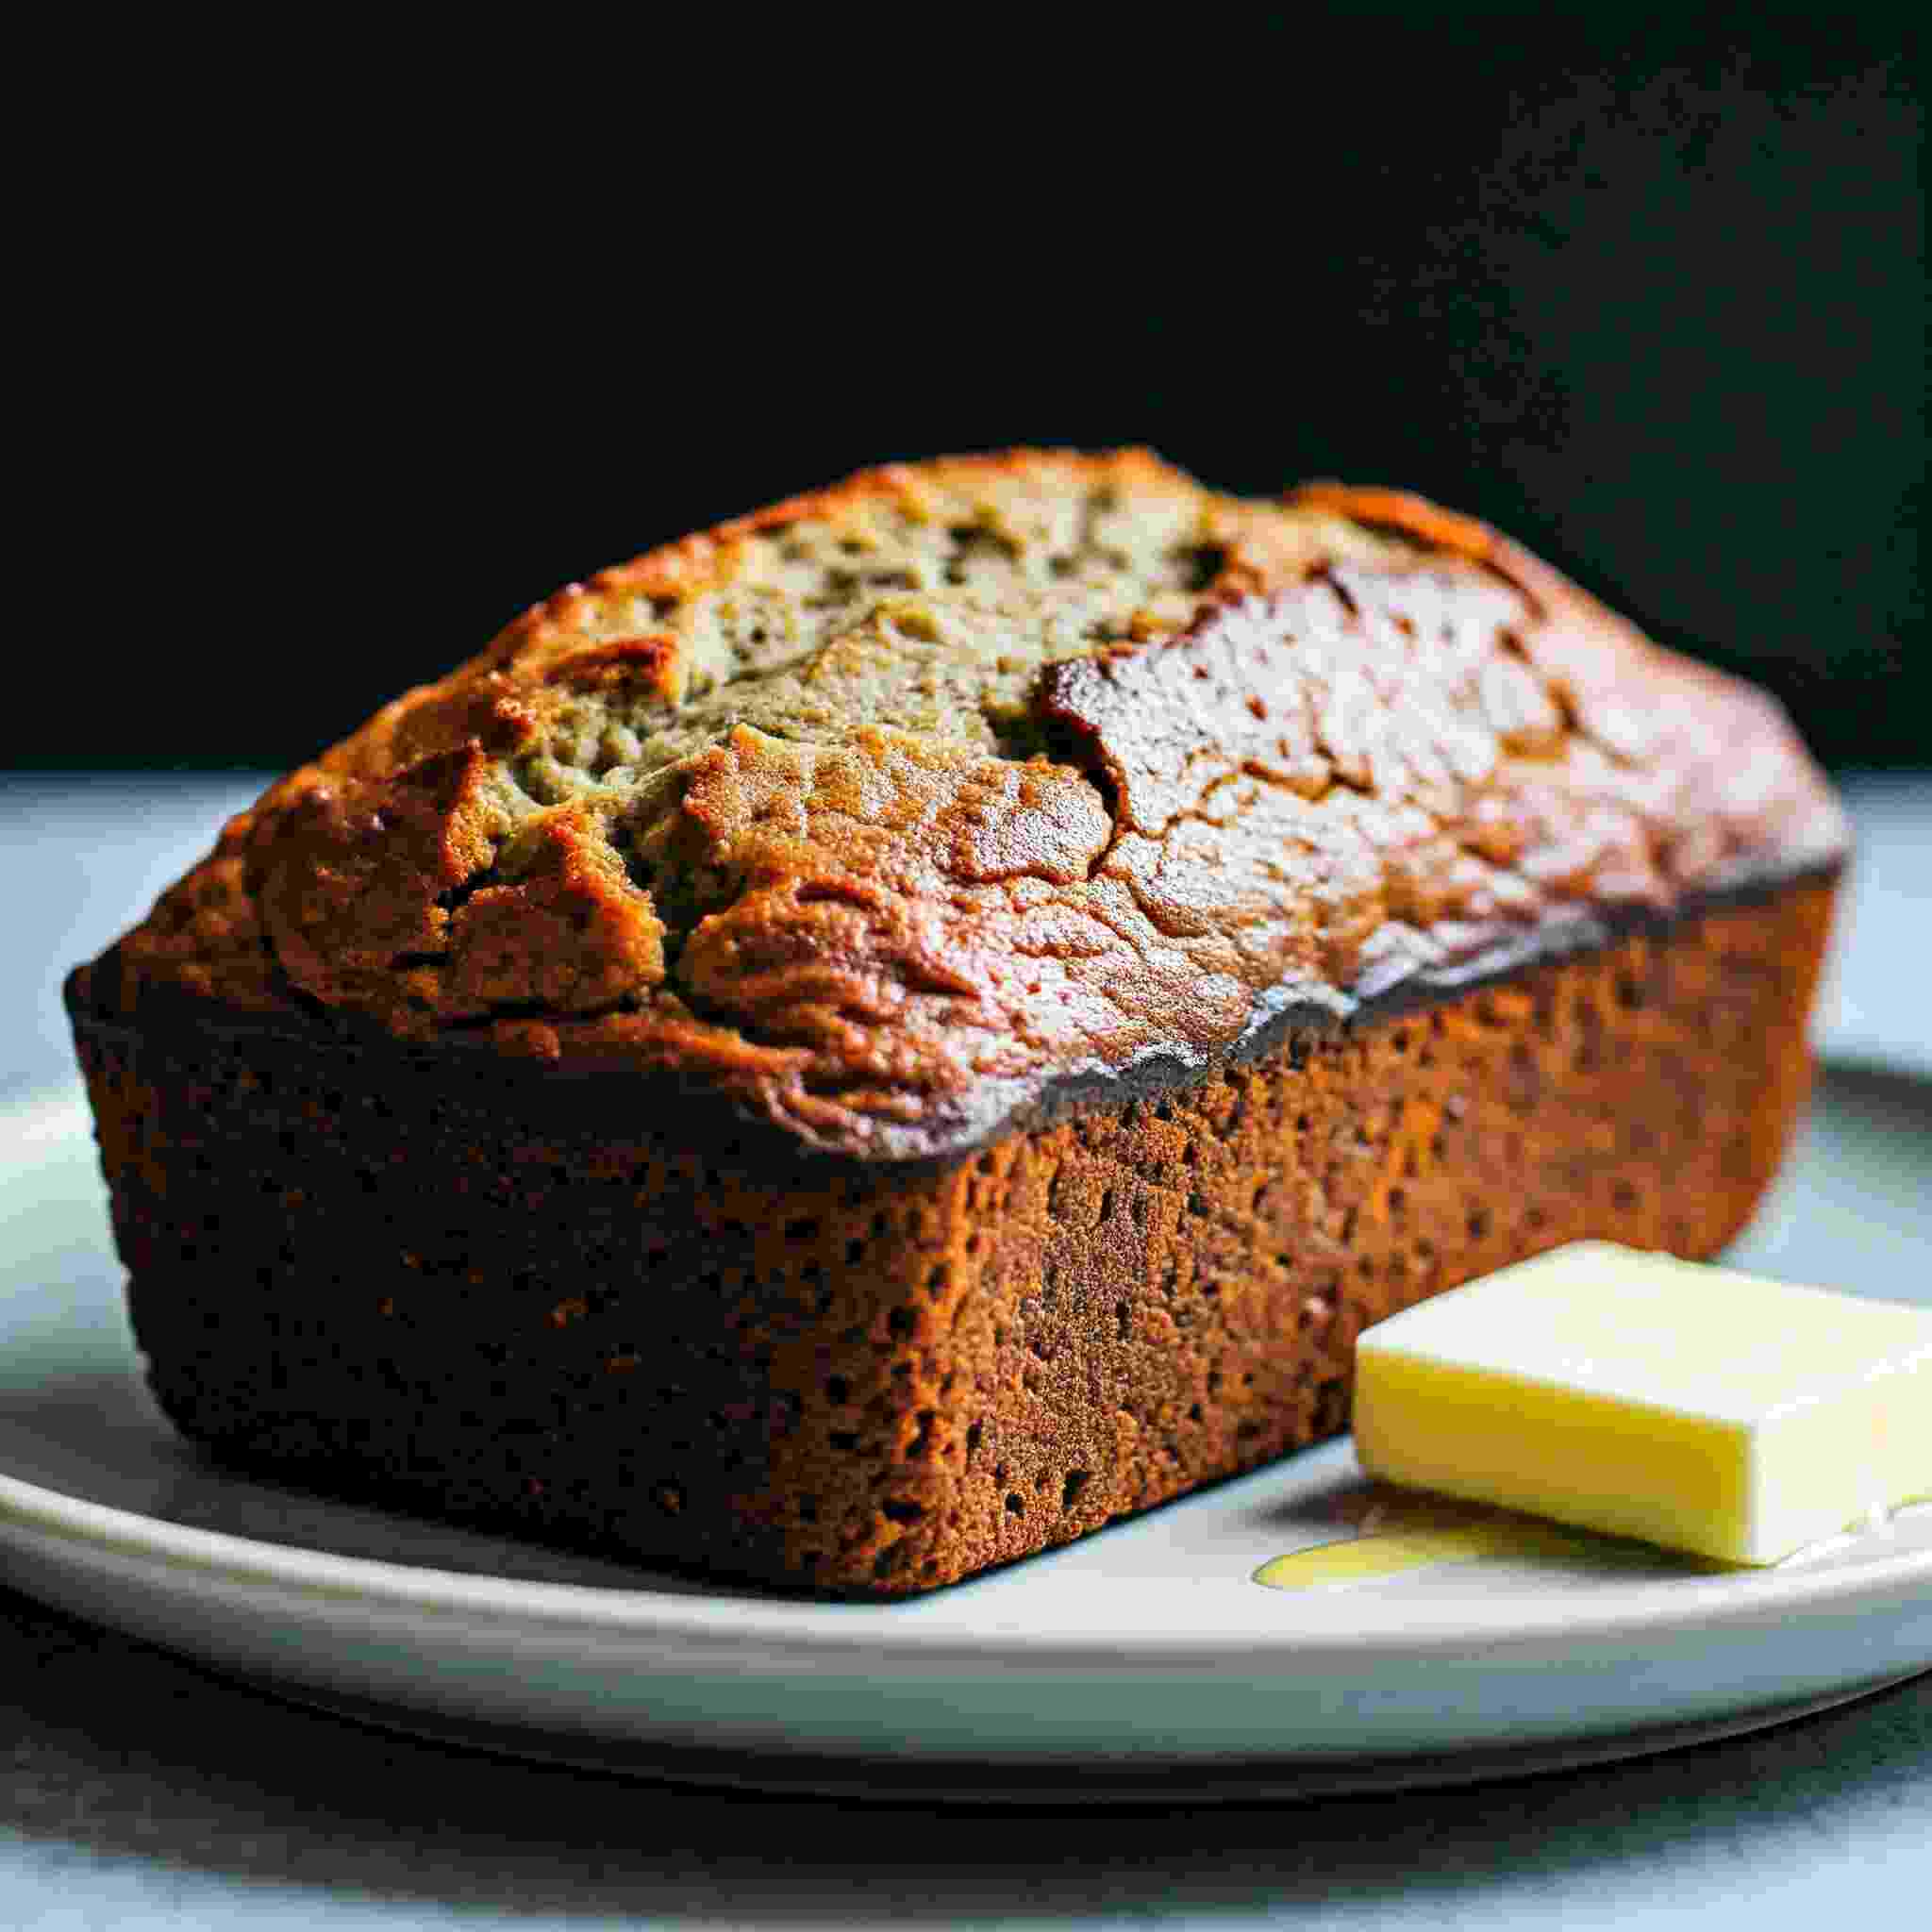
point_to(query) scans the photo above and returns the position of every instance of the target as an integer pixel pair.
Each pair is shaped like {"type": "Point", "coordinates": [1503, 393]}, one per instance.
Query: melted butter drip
{"type": "Point", "coordinates": [1399, 1530]}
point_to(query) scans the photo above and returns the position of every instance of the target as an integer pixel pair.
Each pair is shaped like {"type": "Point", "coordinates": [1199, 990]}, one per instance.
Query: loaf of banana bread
{"type": "Point", "coordinates": [878, 1038]}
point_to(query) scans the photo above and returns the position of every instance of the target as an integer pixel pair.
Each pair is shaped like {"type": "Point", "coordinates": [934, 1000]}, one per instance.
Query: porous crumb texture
{"type": "Point", "coordinates": [887, 810]}
{"type": "Point", "coordinates": [512, 1299]}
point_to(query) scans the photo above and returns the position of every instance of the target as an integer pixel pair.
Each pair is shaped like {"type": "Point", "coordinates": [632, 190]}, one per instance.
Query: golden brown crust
{"type": "Point", "coordinates": [882, 866]}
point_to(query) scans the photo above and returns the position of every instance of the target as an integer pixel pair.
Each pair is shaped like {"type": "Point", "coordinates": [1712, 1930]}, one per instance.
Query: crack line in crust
{"type": "Point", "coordinates": [821, 868]}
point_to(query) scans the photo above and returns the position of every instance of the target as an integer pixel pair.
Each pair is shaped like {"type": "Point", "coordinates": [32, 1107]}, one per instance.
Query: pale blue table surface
{"type": "Point", "coordinates": [137, 1792]}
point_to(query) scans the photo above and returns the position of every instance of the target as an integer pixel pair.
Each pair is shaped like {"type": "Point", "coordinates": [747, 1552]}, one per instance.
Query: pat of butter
{"type": "Point", "coordinates": [1649, 1397]}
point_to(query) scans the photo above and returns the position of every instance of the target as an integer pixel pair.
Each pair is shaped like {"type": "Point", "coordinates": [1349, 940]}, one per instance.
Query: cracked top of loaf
{"type": "Point", "coordinates": [892, 812]}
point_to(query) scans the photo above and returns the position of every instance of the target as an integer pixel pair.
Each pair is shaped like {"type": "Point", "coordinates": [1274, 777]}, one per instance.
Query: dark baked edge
{"type": "Point", "coordinates": [712, 1120]}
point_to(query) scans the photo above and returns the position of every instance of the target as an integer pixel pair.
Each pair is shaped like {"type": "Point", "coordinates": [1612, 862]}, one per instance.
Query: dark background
{"type": "Point", "coordinates": [355, 364]}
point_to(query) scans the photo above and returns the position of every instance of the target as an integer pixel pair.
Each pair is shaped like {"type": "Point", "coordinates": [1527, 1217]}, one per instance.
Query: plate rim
{"type": "Point", "coordinates": [790, 1633]}
{"type": "Point", "coordinates": [1088, 1784]}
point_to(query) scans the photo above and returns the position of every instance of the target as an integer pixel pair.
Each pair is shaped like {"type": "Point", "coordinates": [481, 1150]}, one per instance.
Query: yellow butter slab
{"type": "Point", "coordinates": [1691, 1406]}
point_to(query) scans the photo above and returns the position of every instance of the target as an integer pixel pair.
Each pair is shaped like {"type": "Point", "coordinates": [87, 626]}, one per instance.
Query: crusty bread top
{"type": "Point", "coordinates": [889, 810]}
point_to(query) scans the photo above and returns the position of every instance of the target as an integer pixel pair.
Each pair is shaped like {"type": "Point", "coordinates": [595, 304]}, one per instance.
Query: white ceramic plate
{"type": "Point", "coordinates": [1144, 1659]}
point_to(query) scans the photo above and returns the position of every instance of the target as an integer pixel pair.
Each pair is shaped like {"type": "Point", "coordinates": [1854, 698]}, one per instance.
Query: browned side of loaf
{"type": "Point", "coordinates": [880, 1377]}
